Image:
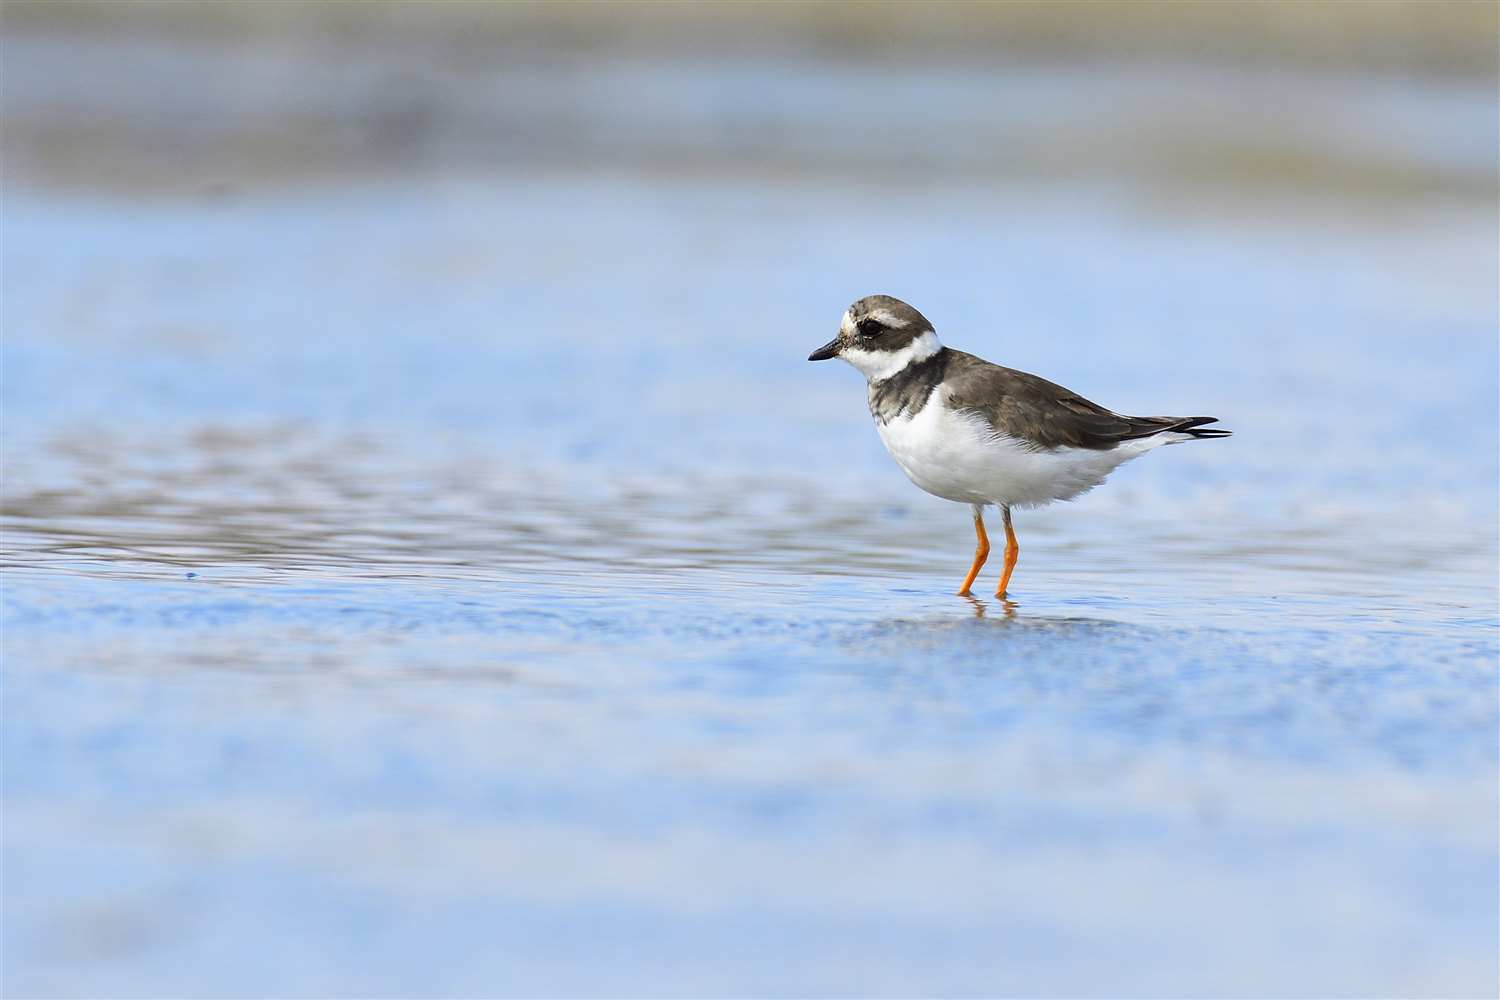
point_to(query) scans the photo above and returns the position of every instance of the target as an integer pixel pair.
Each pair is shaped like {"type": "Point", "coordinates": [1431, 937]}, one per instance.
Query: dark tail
{"type": "Point", "coordinates": [1191, 426]}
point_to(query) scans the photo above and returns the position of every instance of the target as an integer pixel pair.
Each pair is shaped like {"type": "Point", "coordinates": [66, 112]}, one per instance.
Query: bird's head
{"type": "Point", "coordinates": [880, 335]}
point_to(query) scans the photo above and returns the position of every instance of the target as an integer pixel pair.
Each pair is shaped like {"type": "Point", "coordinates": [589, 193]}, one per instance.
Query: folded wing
{"type": "Point", "coordinates": [1045, 415]}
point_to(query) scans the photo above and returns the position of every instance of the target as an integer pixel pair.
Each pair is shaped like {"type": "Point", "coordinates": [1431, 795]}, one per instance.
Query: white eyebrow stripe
{"type": "Point", "coordinates": [887, 318]}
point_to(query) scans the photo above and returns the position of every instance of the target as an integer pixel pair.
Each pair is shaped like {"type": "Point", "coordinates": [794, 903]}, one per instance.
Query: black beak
{"type": "Point", "coordinates": [828, 350]}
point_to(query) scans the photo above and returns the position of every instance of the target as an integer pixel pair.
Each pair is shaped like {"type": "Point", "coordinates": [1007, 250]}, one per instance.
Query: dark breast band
{"type": "Point", "coordinates": [910, 389]}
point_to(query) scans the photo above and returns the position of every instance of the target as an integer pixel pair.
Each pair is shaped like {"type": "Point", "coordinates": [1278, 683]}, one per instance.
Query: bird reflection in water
{"type": "Point", "coordinates": [1007, 606]}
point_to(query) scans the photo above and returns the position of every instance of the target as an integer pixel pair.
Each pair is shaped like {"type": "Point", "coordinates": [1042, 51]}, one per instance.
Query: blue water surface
{"type": "Point", "coordinates": [456, 582]}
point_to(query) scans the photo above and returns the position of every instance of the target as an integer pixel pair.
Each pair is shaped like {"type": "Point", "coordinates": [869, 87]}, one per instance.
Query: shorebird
{"type": "Point", "coordinates": [973, 432]}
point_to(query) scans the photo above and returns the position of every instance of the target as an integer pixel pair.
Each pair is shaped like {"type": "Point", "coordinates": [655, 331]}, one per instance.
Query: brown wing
{"type": "Point", "coordinates": [1046, 415]}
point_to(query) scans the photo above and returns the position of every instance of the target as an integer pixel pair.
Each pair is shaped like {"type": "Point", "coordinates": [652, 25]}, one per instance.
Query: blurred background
{"type": "Point", "coordinates": [432, 569]}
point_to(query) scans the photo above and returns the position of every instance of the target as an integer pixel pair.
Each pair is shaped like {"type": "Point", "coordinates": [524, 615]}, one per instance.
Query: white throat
{"type": "Point", "coordinates": [877, 366]}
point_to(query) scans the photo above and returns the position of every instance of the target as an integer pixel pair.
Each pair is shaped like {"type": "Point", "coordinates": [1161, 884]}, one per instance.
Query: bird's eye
{"type": "Point", "coordinates": [869, 328]}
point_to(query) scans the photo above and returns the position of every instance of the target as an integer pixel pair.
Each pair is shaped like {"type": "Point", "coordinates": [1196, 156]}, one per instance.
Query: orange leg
{"type": "Point", "coordinates": [1012, 552]}
{"type": "Point", "coordinates": [981, 551]}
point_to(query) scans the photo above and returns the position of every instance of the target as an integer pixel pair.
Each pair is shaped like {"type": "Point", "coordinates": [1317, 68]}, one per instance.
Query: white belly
{"type": "Point", "coordinates": [957, 457]}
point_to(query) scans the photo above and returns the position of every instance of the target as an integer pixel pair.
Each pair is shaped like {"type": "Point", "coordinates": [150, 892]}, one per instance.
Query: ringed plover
{"type": "Point", "coordinates": [976, 433]}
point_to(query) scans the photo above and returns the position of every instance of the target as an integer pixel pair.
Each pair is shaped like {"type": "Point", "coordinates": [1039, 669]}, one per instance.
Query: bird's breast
{"type": "Point", "coordinates": [941, 450]}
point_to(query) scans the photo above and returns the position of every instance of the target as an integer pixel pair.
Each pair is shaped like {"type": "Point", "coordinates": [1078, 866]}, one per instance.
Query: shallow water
{"type": "Point", "coordinates": [463, 586]}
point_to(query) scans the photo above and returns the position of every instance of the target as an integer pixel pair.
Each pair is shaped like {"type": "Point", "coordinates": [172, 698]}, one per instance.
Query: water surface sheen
{"type": "Point", "coordinates": [462, 587]}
